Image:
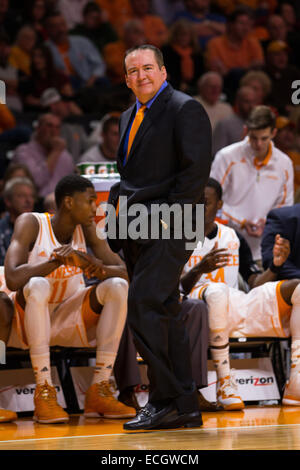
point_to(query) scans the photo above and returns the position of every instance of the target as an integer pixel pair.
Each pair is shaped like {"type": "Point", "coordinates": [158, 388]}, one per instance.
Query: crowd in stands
{"type": "Point", "coordinates": [62, 64]}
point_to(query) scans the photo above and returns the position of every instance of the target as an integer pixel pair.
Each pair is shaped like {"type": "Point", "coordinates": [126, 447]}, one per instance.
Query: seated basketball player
{"type": "Point", "coordinates": [43, 266]}
{"type": "Point", "coordinates": [271, 308]}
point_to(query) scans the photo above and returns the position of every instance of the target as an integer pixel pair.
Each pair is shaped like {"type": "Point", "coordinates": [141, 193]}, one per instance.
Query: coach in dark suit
{"type": "Point", "coordinates": [164, 157]}
{"type": "Point", "coordinates": [284, 221]}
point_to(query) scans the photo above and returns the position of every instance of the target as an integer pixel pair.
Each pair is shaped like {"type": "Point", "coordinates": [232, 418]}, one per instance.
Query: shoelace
{"type": "Point", "coordinates": [104, 389]}
{"type": "Point", "coordinates": [48, 393]}
{"type": "Point", "coordinates": [231, 384]}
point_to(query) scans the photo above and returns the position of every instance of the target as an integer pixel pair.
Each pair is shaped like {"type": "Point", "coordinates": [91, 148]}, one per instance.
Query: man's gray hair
{"type": "Point", "coordinates": [11, 184]}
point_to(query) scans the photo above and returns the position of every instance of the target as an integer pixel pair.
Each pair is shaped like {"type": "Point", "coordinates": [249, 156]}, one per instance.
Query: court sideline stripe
{"type": "Point", "coordinates": [156, 432]}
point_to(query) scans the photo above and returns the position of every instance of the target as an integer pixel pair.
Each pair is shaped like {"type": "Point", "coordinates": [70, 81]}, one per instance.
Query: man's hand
{"type": "Point", "coordinates": [281, 250]}
{"type": "Point", "coordinates": [217, 258]}
{"type": "Point", "coordinates": [58, 144]}
{"type": "Point", "coordinates": [255, 229]}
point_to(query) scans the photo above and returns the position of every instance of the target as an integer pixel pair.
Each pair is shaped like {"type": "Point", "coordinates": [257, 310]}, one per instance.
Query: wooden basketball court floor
{"type": "Point", "coordinates": [255, 428]}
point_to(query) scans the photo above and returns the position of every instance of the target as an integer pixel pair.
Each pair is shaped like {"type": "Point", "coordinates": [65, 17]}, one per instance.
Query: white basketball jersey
{"type": "Point", "coordinates": [225, 238]}
{"type": "Point", "coordinates": [65, 280]}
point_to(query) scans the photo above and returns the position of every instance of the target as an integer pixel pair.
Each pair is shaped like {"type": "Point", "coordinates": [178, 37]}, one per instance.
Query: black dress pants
{"type": "Point", "coordinates": [156, 320]}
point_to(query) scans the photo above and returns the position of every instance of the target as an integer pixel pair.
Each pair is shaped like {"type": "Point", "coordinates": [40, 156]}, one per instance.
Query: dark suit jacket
{"type": "Point", "coordinates": [170, 158]}
{"type": "Point", "coordinates": [286, 222]}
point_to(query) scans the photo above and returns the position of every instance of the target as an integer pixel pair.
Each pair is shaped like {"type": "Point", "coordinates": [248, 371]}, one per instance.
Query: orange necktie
{"type": "Point", "coordinates": [135, 127]}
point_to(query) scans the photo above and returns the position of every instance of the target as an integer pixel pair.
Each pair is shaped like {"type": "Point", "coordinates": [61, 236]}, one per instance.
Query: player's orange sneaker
{"type": "Point", "coordinates": [291, 394]}
{"type": "Point", "coordinates": [227, 394]}
{"type": "Point", "coordinates": [47, 410]}
{"type": "Point", "coordinates": [100, 401]}
{"type": "Point", "coordinates": [6, 416]}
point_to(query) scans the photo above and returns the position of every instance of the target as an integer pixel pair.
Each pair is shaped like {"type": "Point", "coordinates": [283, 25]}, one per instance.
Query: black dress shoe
{"type": "Point", "coordinates": [167, 417]}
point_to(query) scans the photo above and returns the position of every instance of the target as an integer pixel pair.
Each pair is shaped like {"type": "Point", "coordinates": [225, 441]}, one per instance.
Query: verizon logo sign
{"type": "Point", "coordinates": [256, 381]}
{"type": "Point", "coordinates": [31, 390]}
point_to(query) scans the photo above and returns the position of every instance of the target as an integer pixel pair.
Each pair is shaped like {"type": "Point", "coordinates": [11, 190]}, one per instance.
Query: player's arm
{"type": "Point", "coordinates": [17, 270]}
{"type": "Point", "coordinates": [281, 251]}
{"type": "Point", "coordinates": [217, 258]}
{"type": "Point", "coordinates": [105, 258]}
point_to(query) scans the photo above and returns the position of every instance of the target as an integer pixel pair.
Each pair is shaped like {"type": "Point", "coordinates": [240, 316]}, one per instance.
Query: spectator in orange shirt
{"type": "Point", "coordinates": [235, 50]}
{"type": "Point", "coordinates": [183, 57]}
{"type": "Point", "coordinates": [118, 12]}
{"type": "Point", "coordinates": [20, 54]}
{"type": "Point", "coordinates": [113, 53]}
{"type": "Point", "coordinates": [156, 32]}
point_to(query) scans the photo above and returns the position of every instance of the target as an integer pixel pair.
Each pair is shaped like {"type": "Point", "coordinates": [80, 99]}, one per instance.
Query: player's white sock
{"type": "Point", "coordinates": [104, 366]}
{"type": "Point", "coordinates": [216, 297]}
{"type": "Point", "coordinates": [112, 294]}
{"type": "Point", "coordinates": [37, 327]}
{"type": "Point", "coordinates": [221, 361]}
{"type": "Point", "coordinates": [41, 368]}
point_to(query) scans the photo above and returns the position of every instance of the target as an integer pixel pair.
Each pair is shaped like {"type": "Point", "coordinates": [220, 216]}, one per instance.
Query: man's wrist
{"type": "Point", "coordinates": [275, 269]}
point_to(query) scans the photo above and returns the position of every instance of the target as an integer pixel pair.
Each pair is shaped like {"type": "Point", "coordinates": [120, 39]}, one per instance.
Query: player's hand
{"type": "Point", "coordinates": [217, 258]}
{"type": "Point", "coordinates": [95, 268]}
{"type": "Point", "coordinates": [281, 250]}
{"type": "Point", "coordinates": [70, 257]}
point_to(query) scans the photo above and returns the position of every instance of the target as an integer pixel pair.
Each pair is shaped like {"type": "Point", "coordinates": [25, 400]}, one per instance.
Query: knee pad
{"type": "Point", "coordinates": [295, 299]}
{"type": "Point", "coordinates": [114, 288]}
{"type": "Point", "coordinates": [37, 288]}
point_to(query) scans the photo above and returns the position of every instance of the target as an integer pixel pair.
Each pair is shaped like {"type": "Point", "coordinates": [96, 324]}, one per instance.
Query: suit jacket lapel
{"type": "Point", "coordinates": [150, 116]}
{"type": "Point", "coordinates": [126, 119]}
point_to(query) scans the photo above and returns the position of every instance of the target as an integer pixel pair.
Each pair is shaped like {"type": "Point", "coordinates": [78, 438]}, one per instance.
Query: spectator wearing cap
{"type": "Point", "coordinates": [95, 26]}
{"type": "Point", "coordinates": [282, 75]}
{"type": "Point", "coordinates": [19, 197]}
{"type": "Point", "coordinates": [210, 86]}
{"type": "Point", "coordinates": [73, 134]}
{"type": "Point", "coordinates": [278, 31]}
{"type": "Point", "coordinates": [285, 140]}
{"type": "Point", "coordinates": [45, 155]}
{"type": "Point", "coordinates": [106, 150]}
